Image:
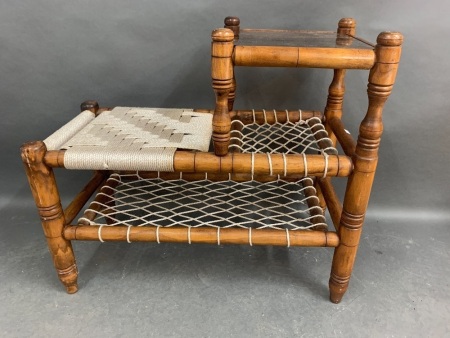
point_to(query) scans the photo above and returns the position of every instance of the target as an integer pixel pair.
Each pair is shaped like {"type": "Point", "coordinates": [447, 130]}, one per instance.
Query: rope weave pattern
{"type": "Point", "coordinates": [303, 137]}
{"type": "Point", "coordinates": [164, 203]}
{"type": "Point", "coordinates": [66, 132]}
{"type": "Point", "coordinates": [137, 139]}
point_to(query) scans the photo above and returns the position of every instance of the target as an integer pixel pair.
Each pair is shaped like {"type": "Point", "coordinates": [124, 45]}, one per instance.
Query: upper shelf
{"type": "Point", "coordinates": [299, 38]}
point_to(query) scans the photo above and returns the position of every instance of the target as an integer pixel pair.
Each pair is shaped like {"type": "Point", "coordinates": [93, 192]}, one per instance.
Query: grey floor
{"type": "Point", "coordinates": [400, 286]}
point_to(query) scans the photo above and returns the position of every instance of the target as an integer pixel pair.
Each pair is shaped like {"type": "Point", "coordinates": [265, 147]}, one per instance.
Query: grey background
{"type": "Point", "coordinates": [55, 54]}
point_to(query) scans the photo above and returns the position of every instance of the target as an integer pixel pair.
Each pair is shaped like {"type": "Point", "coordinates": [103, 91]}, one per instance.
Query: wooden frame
{"type": "Point", "coordinates": [358, 163]}
{"type": "Point", "coordinates": [383, 64]}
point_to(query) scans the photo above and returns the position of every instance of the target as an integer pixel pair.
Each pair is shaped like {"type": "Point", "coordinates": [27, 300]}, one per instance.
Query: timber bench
{"type": "Point", "coordinates": [267, 179]}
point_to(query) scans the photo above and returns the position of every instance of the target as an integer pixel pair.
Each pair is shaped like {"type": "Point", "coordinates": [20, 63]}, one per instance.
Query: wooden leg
{"type": "Point", "coordinates": [232, 95]}
{"type": "Point", "coordinates": [222, 81]}
{"type": "Point", "coordinates": [233, 23]}
{"type": "Point", "coordinates": [336, 91]}
{"type": "Point", "coordinates": [381, 80]}
{"type": "Point", "coordinates": [350, 226]}
{"type": "Point", "coordinates": [43, 186]}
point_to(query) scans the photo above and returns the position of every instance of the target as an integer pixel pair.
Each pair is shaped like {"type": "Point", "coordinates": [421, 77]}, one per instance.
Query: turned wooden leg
{"type": "Point", "coordinates": [232, 95]}
{"type": "Point", "coordinates": [381, 80]}
{"type": "Point", "coordinates": [336, 91]}
{"type": "Point", "coordinates": [233, 23]}
{"type": "Point", "coordinates": [222, 82]}
{"type": "Point", "coordinates": [46, 196]}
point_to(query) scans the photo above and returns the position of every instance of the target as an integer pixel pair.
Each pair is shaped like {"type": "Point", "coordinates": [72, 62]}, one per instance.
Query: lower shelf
{"type": "Point", "coordinates": [133, 208]}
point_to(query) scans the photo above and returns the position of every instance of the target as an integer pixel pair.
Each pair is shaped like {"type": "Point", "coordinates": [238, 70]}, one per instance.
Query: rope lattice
{"type": "Point", "coordinates": [134, 201]}
{"type": "Point", "coordinates": [303, 137]}
{"type": "Point", "coordinates": [137, 139]}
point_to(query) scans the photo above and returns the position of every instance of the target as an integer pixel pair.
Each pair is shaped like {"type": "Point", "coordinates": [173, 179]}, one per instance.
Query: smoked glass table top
{"type": "Point", "coordinates": [299, 38]}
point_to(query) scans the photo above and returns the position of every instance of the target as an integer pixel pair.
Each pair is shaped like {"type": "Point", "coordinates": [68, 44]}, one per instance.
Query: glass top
{"type": "Point", "coordinates": [299, 38]}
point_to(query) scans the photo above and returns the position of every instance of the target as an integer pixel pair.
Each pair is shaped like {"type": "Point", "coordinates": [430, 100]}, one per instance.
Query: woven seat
{"type": "Point", "coordinates": [131, 138]}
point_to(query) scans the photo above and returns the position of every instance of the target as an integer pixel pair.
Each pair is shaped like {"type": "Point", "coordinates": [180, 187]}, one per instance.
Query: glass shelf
{"type": "Point", "coordinates": [299, 38]}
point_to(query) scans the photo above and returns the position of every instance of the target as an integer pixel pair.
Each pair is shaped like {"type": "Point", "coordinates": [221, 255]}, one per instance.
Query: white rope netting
{"type": "Point", "coordinates": [135, 201]}
{"type": "Point", "coordinates": [302, 137]}
{"type": "Point", "coordinates": [135, 139]}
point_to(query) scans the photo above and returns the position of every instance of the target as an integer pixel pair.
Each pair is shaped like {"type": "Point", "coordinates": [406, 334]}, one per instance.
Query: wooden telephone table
{"type": "Point", "coordinates": [268, 180]}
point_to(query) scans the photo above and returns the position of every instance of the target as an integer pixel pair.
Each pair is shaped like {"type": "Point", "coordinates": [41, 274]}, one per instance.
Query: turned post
{"type": "Point", "coordinates": [336, 91]}
{"type": "Point", "coordinates": [232, 94]}
{"type": "Point", "coordinates": [232, 22]}
{"type": "Point", "coordinates": [45, 192]}
{"type": "Point", "coordinates": [222, 83]}
{"type": "Point", "coordinates": [381, 80]}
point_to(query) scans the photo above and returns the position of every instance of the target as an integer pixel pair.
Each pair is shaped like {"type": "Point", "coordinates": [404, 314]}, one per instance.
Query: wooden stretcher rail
{"type": "Point", "coordinates": [319, 133]}
{"type": "Point", "coordinates": [270, 116]}
{"type": "Point", "coordinates": [186, 161]}
{"type": "Point", "coordinates": [338, 165]}
{"type": "Point", "coordinates": [332, 201]}
{"type": "Point", "coordinates": [104, 198]}
{"type": "Point", "coordinates": [206, 235]}
{"type": "Point", "coordinates": [131, 175]}
{"type": "Point", "coordinates": [345, 139]}
{"type": "Point", "coordinates": [83, 196]}
{"type": "Point", "coordinates": [310, 57]}
{"type": "Point", "coordinates": [313, 204]}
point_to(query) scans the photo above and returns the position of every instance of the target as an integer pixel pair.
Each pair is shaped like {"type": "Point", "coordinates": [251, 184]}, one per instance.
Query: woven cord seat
{"type": "Point", "coordinates": [131, 138]}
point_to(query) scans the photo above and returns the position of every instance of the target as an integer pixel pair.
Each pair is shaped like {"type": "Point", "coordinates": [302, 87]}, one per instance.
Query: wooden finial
{"type": "Point", "coordinates": [390, 39]}
{"type": "Point", "coordinates": [222, 35]}
{"type": "Point", "coordinates": [33, 151]}
{"type": "Point", "coordinates": [346, 26]}
{"type": "Point", "coordinates": [233, 22]}
{"type": "Point", "coordinates": [347, 23]}
{"type": "Point", "coordinates": [90, 105]}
